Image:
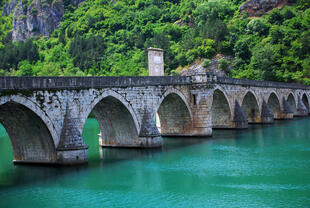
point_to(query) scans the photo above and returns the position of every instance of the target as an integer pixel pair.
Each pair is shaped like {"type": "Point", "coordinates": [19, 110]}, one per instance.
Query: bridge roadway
{"type": "Point", "coordinates": [45, 116]}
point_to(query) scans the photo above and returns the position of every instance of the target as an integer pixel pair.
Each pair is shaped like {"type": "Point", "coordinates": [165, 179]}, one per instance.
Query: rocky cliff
{"type": "Point", "coordinates": [35, 17]}
{"type": "Point", "coordinates": [260, 7]}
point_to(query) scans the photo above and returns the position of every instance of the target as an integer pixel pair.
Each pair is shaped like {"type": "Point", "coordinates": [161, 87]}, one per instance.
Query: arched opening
{"type": "Point", "coordinates": [274, 105]}
{"type": "Point", "coordinates": [116, 124]}
{"type": "Point", "coordinates": [174, 116]}
{"type": "Point", "coordinates": [250, 108]}
{"type": "Point", "coordinates": [31, 140]}
{"type": "Point", "coordinates": [90, 135]}
{"type": "Point", "coordinates": [292, 103]}
{"type": "Point", "coordinates": [221, 115]}
{"type": "Point", "coordinates": [306, 101]}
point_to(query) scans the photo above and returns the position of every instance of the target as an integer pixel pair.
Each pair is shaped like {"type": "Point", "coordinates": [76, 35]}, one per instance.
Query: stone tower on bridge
{"type": "Point", "coordinates": [156, 61]}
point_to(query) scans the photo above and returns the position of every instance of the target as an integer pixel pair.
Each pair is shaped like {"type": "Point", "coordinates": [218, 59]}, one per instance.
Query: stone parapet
{"type": "Point", "coordinates": [71, 83]}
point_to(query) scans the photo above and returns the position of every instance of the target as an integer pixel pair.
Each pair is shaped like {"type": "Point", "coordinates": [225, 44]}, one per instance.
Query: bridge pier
{"type": "Point", "coordinates": [287, 112]}
{"type": "Point", "coordinates": [197, 126]}
{"type": "Point", "coordinates": [267, 115]}
{"type": "Point", "coordinates": [240, 120]}
{"type": "Point", "coordinates": [45, 116]}
{"type": "Point", "coordinates": [71, 149]}
{"type": "Point", "coordinates": [302, 110]}
{"type": "Point", "coordinates": [72, 156]}
{"type": "Point", "coordinates": [178, 119]}
{"type": "Point", "coordinates": [149, 136]}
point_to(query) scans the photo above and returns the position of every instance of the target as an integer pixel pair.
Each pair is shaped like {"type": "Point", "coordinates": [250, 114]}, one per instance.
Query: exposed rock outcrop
{"type": "Point", "coordinates": [76, 2]}
{"type": "Point", "coordinates": [260, 7]}
{"type": "Point", "coordinates": [8, 7]}
{"type": "Point", "coordinates": [198, 66]}
{"type": "Point", "coordinates": [40, 17]}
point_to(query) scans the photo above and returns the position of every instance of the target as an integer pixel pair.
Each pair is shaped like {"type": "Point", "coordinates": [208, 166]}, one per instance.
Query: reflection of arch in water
{"type": "Point", "coordinates": [175, 118]}
{"type": "Point", "coordinates": [31, 132]}
{"type": "Point", "coordinates": [250, 107]}
{"type": "Point", "coordinates": [274, 105]}
{"type": "Point", "coordinates": [221, 113]}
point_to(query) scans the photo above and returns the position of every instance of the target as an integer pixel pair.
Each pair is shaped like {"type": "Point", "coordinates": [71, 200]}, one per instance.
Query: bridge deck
{"type": "Point", "coordinates": [39, 83]}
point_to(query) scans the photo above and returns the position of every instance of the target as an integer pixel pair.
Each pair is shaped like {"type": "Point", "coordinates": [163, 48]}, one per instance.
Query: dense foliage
{"type": "Point", "coordinates": [108, 37]}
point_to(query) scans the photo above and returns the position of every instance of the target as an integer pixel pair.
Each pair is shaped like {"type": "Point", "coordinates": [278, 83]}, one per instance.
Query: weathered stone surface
{"type": "Point", "coordinates": [156, 61]}
{"type": "Point", "coordinates": [175, 117]}
{"type": "Point", "coordinates": [291, 101]}
{"type": "Point", "coordinates": [122, 130]}
{"type": "Point", "coordinates": [148, 127]}
{"type": "Point", "coordinates": [250, 107]}
{"type": "Point", "coordinates": [240, 120]}
{"type": "Point", "coordinates": [38, 18]}
{"type": "Point", "coordinates": [31, 140]}
{"type": "Point", "coordinates": [9, 7]}
{"type": "Point", "coordinates": [221, 111]}
{"type": "Point", "coordinates": [45, 116]}
{"type": "Point", "coordinates": [273, 103]}
{"type": "Point", "coordinates": [287, 110]}
{"type": "Point", "coordinates": [149, 135]}
{"type": "Point", "coordinates": [76, 2]}
{"type": "Point", "coordinates": [305, 100]}
{"type": "Point", "coordinates": [301, 108]}
{"type": "Point", "coordinates": [286, 107]}
{"type": "Point", "coordinates": [72, 156]}
{"type": "Point", "coordinates": [260, 7]}
{"type": "Point", "coordinates": [71, 137]}
{"type": "Point", "coordinates": [198, 66]}
{"type": "Point", "coordinates": [267, 115]}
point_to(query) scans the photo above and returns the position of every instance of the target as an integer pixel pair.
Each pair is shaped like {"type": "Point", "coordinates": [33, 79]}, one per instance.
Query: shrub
{"type": "Point", "coordinates": [206, 63]}
{"type": "Point", "coordinates": [223, 65]}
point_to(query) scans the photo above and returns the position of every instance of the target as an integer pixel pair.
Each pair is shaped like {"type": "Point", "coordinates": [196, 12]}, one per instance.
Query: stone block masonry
{"type": "Point", "coordinates": [156, 61]}
{"type": "Point", "coordinates": [44, 116]}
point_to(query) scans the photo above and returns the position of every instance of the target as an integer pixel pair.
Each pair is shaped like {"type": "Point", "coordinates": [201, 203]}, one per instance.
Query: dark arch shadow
{"type": "Point", "coordinates": [250, 108]}
{"type": "Point", "coordinates": [174, 116]}
{"type": "Point", "coordinates": [221, 114]}
{"type": "Point", "coordinates": [274, 105]}
{"type": "Point", "coordinates": [292, 103]}
{"type": "Point", "coordinates": [31, 140]}
{"type": "Point", "coordinates": [306, 102]}
{"type": "Point", "coordinates": [116, 123]}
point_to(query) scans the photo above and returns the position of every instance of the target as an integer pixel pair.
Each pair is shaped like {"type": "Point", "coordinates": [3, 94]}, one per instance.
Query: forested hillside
{"type": "Point", "coordinates": [110, 37]}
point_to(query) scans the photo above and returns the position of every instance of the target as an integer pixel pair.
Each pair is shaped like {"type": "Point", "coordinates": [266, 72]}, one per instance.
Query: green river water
{"type": "Point", "coordinates": [264, 166]}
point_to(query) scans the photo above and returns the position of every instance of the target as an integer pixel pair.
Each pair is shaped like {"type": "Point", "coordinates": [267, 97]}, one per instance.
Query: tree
{"type": "Point", "coordinates": [257, 27]}
{"type": "Point", "coordinates": [242, 49]}
{"type": "Point", "coordinates": [265, 59]}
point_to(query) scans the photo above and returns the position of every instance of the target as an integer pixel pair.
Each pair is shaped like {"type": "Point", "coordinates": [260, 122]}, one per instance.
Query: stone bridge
{"type": "Point", "coordinates": [45, 116]}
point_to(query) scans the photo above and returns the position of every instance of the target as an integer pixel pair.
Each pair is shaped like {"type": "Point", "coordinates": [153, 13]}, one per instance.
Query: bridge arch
{"type": "Point", "coordinates": [32, 134]}
{"type": "Point", "coordinates": [274, 104]}
{"type": "Point", "coordinates": [117, 121]}
{"type": "Point", "coordinates": [305, 100]}
{"type": "Point", "coordinates": [292, 102]}
{"type": "Point", "coordinates": [221, 110]}
{"type": "Point", "coordinates": [173, 114]}
{"type": "Point", "coordinates": [250, 107]}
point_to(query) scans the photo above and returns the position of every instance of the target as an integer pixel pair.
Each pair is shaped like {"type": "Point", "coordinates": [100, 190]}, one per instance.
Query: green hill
{"type": "Point", "coordinates": [110, 37]}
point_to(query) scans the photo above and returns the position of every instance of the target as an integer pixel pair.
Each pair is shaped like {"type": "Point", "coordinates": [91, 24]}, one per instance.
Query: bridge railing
{"type": "Point", "coordinates": [256, 83]}
{"type": "Point", "coordinates": [212, 78]}
{"type": "Point", "coordinates": [35, 83]}
{"type": "Point", "coordinates": [38, 83]}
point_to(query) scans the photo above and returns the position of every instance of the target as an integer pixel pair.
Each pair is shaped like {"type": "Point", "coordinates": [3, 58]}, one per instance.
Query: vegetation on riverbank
{"type": "Point", "coordinates": [106, 37]}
